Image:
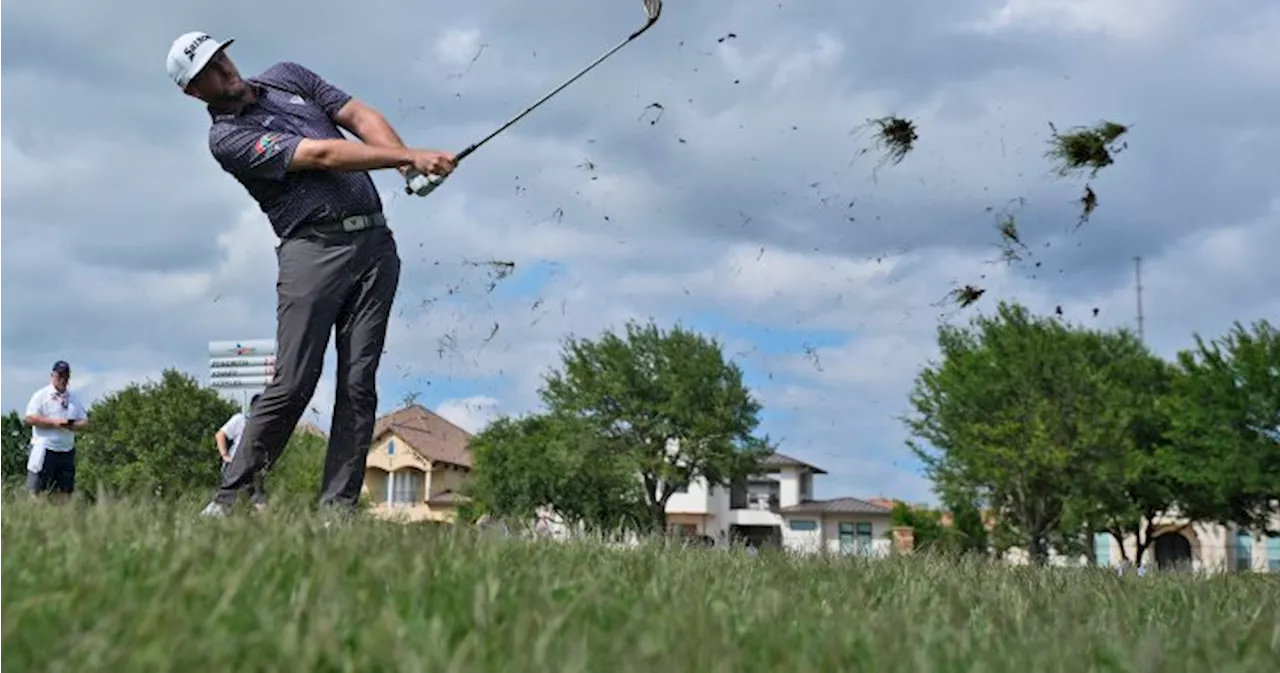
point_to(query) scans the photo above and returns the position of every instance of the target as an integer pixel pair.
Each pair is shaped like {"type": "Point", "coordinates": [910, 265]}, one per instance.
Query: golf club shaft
{"type": "Point", "coordinates": [426, 184]}
{"type": "Point", "coordinates": [461, 155]}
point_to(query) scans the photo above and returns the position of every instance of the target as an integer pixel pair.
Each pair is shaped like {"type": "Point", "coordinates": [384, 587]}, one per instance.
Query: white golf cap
{"type": "Point", "coordinates": [190, 53]}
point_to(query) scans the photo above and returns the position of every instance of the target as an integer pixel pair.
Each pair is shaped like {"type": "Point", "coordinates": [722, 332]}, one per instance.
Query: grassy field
{"type": "Point", "coordinates": [124, 588]}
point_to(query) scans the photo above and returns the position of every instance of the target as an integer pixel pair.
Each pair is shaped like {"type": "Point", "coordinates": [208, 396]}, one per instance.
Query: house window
{"type": "Point", "coordinates": [391, 447]}
{"type": "Point", "coordinates": [803, 525]}
{"type": "Point", "coordinates": [1102, 549]}
{"type": "Point", "coordinates": [855, 537]}
{"type": "Point", "coordinates": [406, 487]}
{"type": "Point", "coordinates": [1244, 550]}
{"type": "Point", "coordinates": [864, 536]}
{"type": "Point", "coordinates": [682, 488]}
{"type": "Point", "coordinates": [1273, 552]}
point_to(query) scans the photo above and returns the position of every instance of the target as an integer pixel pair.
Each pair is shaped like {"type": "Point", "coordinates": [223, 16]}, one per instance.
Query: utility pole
{"type": "Point", "coordinates": [1137, 272]}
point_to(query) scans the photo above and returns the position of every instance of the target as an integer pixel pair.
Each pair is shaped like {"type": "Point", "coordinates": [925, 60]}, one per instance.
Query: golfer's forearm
{"type": "Point", "coordinates": [347, 155]}
{"type": "Point", "coordinates": [370, 126]}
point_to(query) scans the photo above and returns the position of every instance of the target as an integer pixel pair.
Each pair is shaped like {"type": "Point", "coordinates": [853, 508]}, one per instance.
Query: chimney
{"type": "Point", "coordinates": [904, 539]}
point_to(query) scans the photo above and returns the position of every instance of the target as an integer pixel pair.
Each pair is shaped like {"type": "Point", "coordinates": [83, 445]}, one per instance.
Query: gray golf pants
{"type": "Point", "coordinates": [339, 282]}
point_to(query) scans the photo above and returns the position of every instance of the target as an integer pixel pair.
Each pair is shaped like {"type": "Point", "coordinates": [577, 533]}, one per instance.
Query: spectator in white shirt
{"type": "Point", "coordinates": [55, 414]}
{"type": "Point", "coordinates": [228, 440]}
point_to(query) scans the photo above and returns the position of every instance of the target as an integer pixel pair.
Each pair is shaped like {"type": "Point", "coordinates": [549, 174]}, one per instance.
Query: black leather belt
{"type": "Point", "coordinates": [345, 225]}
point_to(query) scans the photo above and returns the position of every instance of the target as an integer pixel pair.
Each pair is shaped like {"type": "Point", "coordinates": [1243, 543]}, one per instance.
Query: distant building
{"type": "Point", "coordinates": [416, 465]}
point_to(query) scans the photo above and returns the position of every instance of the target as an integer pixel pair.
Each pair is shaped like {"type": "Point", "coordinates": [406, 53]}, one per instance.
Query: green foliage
{"type": "Point", "coordinates": [1226, 422]}
{"type": "Point", "coordinates": [523, 464]}
{"type": "Point", "coordinates": [648, 388]}
{"type": "Point", "coordinates": [296, 475]}
{"type": "Point", "coordinates": [1020, 411]}
{"type": "Point", "coordinates": [15, 445]}
{"type": "Point", "coordinates": [964, 534]}
{"type": "Point", "coordinates": [1134, 483]}
{"type": "Point", "coordinates": [926, 524]}
{"type": "Point", "coordinates": [153, 438]}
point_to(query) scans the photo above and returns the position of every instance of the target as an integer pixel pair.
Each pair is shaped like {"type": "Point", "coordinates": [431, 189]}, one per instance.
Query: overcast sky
{"type": "Point", "coordinates": [746, 210]}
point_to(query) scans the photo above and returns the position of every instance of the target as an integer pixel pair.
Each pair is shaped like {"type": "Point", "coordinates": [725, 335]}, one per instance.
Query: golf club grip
{"type": "Point", "coordinates": [423, 185]}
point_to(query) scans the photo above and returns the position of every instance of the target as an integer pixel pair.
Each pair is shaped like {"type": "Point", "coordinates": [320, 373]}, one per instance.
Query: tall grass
{"type": "Point", "coordinates": [134, 588]}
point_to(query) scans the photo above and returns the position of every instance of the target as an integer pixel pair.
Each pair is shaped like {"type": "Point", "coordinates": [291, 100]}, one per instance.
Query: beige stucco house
{"type": "Point", "coordinates": [416, 466]}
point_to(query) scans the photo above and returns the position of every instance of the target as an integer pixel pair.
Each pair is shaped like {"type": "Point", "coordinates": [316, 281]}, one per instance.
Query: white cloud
{"type": "Point", "coordinates": [457, 46]}
{"type": "Point", "coordinates": [469, 413]}
{"type": "Point", "coordinates": [1129, 20]}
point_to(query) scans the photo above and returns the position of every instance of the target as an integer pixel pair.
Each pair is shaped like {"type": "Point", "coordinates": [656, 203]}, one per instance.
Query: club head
{"type": "Point", "coordinates": [652, 8]}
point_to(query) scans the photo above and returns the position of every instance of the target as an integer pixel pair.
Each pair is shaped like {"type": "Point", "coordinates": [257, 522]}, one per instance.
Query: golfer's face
{"type": "Point", "coordinates": [219, 81]}
{"type": "Point", "coordinates": [59, 381]}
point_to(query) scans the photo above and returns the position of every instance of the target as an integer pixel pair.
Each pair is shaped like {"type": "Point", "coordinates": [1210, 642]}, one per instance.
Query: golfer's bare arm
{"type": "Point", "coordinates": [346, 155]}
{"type": "Point", "coordinates": [367, 124]}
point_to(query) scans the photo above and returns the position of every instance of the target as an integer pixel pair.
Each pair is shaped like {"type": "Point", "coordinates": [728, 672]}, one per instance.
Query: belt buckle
{"type": "Point", "coordinates": [355, 223]}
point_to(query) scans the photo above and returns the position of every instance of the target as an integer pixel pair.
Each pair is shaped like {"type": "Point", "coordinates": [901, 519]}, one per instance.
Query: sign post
{"type": "Point", "coordinates": [245, 366]}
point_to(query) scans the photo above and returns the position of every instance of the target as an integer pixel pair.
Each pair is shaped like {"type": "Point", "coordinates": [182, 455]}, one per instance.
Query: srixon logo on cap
{"type": "Point", "coordinates": [190, 51]}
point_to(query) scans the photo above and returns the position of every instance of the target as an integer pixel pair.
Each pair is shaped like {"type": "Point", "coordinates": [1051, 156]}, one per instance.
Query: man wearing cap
{"type": "Point", "coordinates": [55, 414]}
{"type": "Point", "coordinates": [279, 134]}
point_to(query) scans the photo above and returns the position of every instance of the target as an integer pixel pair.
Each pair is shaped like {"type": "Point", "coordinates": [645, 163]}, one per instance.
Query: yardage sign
{"type": "Point", "coordinates": [241, 365]}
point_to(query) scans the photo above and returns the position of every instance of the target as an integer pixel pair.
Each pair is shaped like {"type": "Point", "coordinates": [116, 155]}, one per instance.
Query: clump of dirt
{"type": "Point", "coordinates": [1086, 148]}
{"type": "Point", "coordinates": [896, 136]}
{"type": "Point", "coordinates": [1088, 203]}
{"type": "Point", "coordinates": [966, 296]}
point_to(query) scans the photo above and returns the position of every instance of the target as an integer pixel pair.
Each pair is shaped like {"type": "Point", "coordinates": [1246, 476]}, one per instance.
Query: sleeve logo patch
{"type": "Point", "coordinates": [268, 144]}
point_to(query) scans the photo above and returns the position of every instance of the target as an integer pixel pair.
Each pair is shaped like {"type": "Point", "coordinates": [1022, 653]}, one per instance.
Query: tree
{"type": "Point", "coordinates": [16, 442]}
{"type": "Point", "coordinates": [665, 402]}
{"type": "Point", "coordinates": [520, 465]}
{"type": "Point", "coordinates": [1134, 483]}
{"type": "Point", "coordinates": [1015, 416]}
{"type": "Point", "coordinates": [928, 531]}
{"type": "Point", "coordinates": [296, 476]}
{"type": "Point", "coordinates": [154, 438]}
{"type": "Point", "coordinates": [1225, 414]}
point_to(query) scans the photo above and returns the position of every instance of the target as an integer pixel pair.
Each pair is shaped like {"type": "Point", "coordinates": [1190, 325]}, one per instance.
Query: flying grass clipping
{"type": "Point", "coordinates": [1086, 150]}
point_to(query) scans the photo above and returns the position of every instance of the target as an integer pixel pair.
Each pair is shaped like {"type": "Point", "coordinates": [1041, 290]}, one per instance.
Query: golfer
{"type": "Point", "coordinates": [227, 438]}
{"type": "Point", "coordinates": [54, 414]}
{"type": "Point", "coordinates": [279, 135]}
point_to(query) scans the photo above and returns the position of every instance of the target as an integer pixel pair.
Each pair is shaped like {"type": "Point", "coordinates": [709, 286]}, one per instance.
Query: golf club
{"type": "Point", "coordinates": [423, 185]}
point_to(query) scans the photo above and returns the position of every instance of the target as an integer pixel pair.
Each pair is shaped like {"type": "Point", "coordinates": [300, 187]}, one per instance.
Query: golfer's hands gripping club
{"type": "Point", "coordinates": [428, 171]}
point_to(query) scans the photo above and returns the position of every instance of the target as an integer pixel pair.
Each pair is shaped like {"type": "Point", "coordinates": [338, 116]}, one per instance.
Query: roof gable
{"type": "Point", "coordinates": [427, 433]}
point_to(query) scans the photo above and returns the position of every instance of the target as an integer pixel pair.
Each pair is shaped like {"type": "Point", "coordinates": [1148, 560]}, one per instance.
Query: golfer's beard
{"type": "Point", "coordinates": [232, 97]}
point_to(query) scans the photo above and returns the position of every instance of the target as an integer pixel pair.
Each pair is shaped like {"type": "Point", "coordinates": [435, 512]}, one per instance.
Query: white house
{"type": "Point", "coordinates": [778, 507]}
{"type": "Point", "coordinates": [1179, 543]}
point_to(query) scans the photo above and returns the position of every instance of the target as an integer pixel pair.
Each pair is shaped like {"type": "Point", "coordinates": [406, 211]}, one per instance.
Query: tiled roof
{"type": "Point", "coordinates": [835, 506]}
{"type": "Point", "coordinates": [783, 460]}
{"type": "Point", "coordinates": [427, 433]}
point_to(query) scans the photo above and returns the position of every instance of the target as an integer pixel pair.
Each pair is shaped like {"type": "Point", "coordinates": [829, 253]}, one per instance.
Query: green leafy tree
{"type": "Point", "coordinates": [928, 531]}
{"type": "Point", "coordinates": [14, 448]}
{"type": "Point", "coordinates": [523, 464]}
{"type": "Point", "coordinates": [665, 402]}
{"type": "Point", "coordinates": [296, 476]}
{"type": "Point", "coordinates": [1012, 419]}
{"type": "Point", "coordinates": [1134, 483]}
{"type": "Point", "coordinates": [1225, 414]}
{"type": "Point", "coordinates": [154, 438]}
